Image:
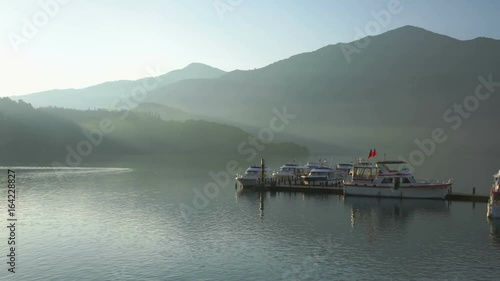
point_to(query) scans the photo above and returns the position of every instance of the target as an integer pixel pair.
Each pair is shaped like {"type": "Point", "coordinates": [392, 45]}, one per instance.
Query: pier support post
{"type": "Point", "coordinates": [262, 171]}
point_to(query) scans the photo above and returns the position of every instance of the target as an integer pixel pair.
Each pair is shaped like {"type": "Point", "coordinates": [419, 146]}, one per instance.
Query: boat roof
{"type": "Point", "coordinates": [297, 166]}
{"type": "Point", "coordinates": [256, 168]}
{"type": "Point", "coordinates": [391, 162]}
{"type": "Point", "coordinates": [322, 169]}
{"type": "Point", "coordinates": [364, 165]}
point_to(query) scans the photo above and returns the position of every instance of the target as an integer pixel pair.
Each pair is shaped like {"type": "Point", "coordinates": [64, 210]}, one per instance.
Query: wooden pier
{"type": "Point", "coordinates": [280, 187]}
{"type": "Point", "coordinates": [466, 197]}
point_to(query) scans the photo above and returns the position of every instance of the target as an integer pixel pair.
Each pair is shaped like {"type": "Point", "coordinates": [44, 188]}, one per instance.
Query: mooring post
{"type": "Point", "coordinates": [262, 169]}
{"type": "Point", "coordinates": [473, 190]}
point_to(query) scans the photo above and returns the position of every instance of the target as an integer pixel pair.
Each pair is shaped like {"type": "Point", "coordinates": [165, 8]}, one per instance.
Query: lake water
{"type": "Point", "coordinates": [122, 224]}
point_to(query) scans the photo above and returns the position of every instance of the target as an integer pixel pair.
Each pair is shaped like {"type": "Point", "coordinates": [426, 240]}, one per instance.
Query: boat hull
{"type": "Point", "coordinates": [247, 182]}
{"type": "Point", "coordinates": [322, 181]}
{"type": "Point", "coordinates": [493, 212]}
{"type": "Point", "coordinates": [437, 192]}
{"type": "Point", "coordinates": [251, 182]}
{"type": "Point", "coordinates": [308, 179]}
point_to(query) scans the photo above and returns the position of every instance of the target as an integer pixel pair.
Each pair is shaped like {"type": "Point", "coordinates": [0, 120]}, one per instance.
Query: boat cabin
{"type": "Point", "coordinates": [256, 170]}
{"type": "Point", "coordinates": [321, 171]}
{"type": "Point", "coordinates": [364, 172]}
{"type": "Point", "coordinates": [294, 169]}
{"type": "Point", "coordinates": [384, 173]}
{"type": "Point", "coordinates": [346, 168]}
{"type": "Point", "coordinates": [311, 165]}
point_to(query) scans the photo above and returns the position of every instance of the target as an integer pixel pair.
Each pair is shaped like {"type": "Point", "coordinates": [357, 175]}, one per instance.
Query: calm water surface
{"type": "Point", "coordinates": [122, 224]}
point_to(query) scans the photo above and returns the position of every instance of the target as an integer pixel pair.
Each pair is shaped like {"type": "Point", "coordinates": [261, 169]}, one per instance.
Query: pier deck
{"type": "Point", "coordinates": [340, 191]}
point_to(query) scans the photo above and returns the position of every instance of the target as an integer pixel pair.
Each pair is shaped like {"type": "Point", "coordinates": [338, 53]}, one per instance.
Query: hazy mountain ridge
{"type": "Point", "coordinates": [165, 112]}
{"type": "Point", "coordinates": [42, 136]}
{"type": "Point", "coordinates": [409, 72]}
{"type": "Point", "coordinates": [106, 95]}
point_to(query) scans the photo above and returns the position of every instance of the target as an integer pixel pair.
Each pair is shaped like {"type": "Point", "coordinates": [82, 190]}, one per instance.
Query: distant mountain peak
{"type": "Point", "coordinates": [198, 65]}
{"type": "Point", "coordinates": [412, 28]}
{"type": "Point", "coordinates": [413, 32]}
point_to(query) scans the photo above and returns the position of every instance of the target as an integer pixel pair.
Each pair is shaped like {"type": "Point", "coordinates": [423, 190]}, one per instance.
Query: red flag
{"type": "Point", "coordinates": [370, 155]}
{"type": "Point", "coordinates": [374, 152]}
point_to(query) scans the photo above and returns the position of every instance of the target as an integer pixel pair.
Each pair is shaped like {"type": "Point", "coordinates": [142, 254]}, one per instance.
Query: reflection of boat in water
{"type": "Point", "coordinates": [494, 200]}
{"type": "Point", "coordinates": [389, 211]}
{"type": "Point", "coordinates": [426, 205]}
{"type": "Point", "coordinates": [386, 179]}
{"type": "Point", "coordinates": [495, 231]}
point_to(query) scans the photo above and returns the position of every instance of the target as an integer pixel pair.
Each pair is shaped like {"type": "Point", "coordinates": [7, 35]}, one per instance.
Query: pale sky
{"type": "Point", "coordinates": [78, 43]}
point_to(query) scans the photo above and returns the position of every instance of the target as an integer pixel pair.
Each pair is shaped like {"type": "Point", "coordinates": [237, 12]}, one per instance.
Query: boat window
{"type": "Point", "coordinates": [367, 173]}
{"type": "Point", "coordinates": [406, 180]}
{"type": "Point", "coordinates": [387, 180]}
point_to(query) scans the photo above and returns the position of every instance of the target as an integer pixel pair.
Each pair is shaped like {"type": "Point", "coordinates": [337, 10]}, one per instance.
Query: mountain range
{"type": "Point", "coordinates": [391, 93]}
{"type": "Point", "coordinates": [105, 95]}
{"type": "Point", "coordinates": [70, 137]}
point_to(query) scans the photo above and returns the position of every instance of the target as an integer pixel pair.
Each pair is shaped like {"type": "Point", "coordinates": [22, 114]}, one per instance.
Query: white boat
{"type": "Point", "coordinates": [344, 170]}
{"type": "Point", "coordinates": [392, 179]}
{"type": "Point", "coordinates": [312, 165]}
{"type": "Point", "coordinates": [494, 201]}
{"type": "Point", "coordinates": [291, 172]}
{"type": "Point", "coordinates": [322, 176]}
{"type": "Point", "coordinates": [252, 176]}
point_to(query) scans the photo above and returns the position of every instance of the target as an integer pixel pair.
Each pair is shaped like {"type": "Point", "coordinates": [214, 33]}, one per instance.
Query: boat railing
{"type": "Point", "coordinates": [242, 175]}
{"type": "Point", "coordinates": [434, 181]}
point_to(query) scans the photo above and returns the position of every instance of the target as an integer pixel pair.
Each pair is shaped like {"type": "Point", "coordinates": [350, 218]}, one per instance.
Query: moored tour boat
{"type": "Point", "coordinates": [252, 176]}
{"type": "Point", "coordinates": [291, 172]}
{"type": "Point", "coordinates": [392, 179]}
{"type": "Point", "coordinates": [322, 176]}
{"type": "Point", "coordinates": [494, 200]}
